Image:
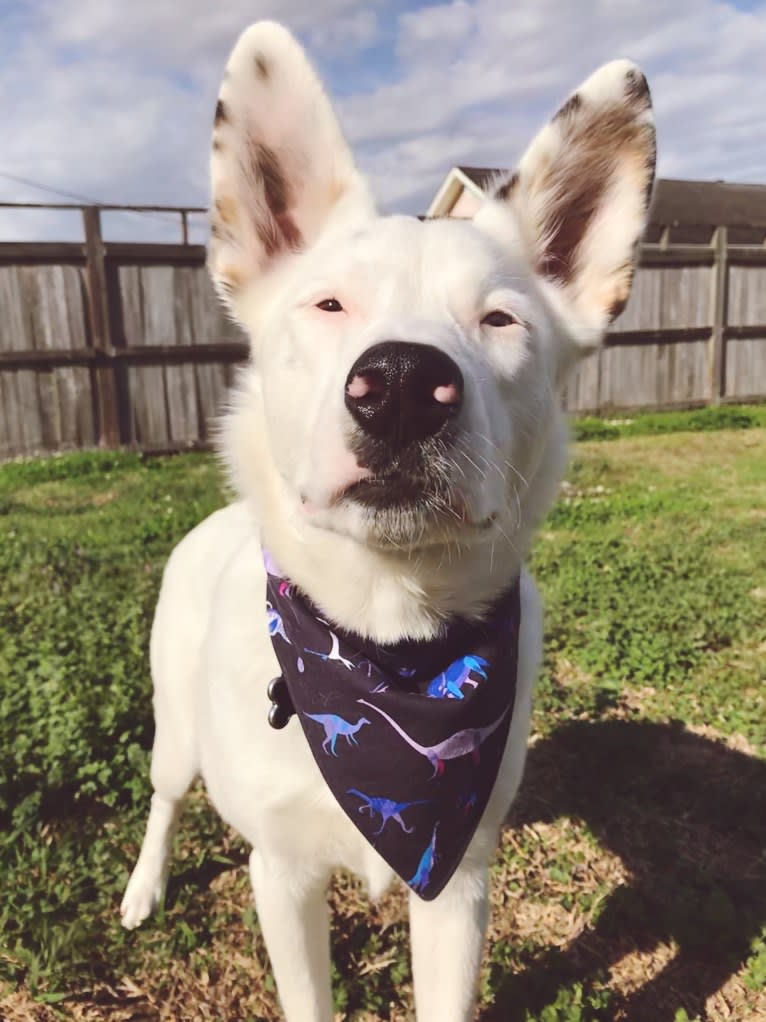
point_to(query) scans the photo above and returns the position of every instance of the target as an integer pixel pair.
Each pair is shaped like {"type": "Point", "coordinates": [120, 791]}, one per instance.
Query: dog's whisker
{"type": "Point", "coordinates": [516, 472]}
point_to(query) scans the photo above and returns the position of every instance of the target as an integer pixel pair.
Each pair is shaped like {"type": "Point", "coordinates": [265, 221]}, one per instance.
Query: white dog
{"type": "Point", "coordinates": [394, 507]}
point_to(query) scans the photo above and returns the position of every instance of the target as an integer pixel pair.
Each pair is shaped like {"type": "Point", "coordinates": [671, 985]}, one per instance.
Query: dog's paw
{"type": "Point", "coordinates": [142, 896]}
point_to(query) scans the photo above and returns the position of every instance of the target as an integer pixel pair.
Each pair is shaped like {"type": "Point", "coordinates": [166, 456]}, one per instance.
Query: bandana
{"type": "Point", "coordinates": [409, 736]}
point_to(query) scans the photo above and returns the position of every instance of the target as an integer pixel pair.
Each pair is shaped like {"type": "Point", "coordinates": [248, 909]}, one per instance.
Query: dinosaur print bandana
{"type": "Point", "coordinates": [409, 737]}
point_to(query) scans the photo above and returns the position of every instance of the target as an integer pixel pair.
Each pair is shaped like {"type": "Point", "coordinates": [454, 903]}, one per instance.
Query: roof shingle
{"type": "Point", "coordinates": [684, 203]}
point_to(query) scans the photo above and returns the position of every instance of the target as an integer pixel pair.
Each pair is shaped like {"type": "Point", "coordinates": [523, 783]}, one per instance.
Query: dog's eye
{"type": "Point", "coordinates": [498, 318]}
{"type": "Point", "coordinates": [329, 305]}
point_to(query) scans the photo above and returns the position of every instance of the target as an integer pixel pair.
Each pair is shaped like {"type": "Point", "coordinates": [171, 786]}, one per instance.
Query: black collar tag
{"type": "Point", "coordinates": [409, 737]}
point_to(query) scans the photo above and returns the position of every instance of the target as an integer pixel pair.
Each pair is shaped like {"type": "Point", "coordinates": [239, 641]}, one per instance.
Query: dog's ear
{"type": "Point", "coordinates": [581, 195]}
{"type": "Point", "coordinates": [281, 170]}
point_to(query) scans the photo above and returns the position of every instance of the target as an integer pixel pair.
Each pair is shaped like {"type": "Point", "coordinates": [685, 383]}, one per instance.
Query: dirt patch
{"type": "Point", "coordinates": [637, 968]}
{"type": "Point", "coordinates": [570, 674]}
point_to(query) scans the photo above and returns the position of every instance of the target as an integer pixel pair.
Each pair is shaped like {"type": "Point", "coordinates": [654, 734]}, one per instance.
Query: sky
{"type": "Point", "coordinates": [111, 100]}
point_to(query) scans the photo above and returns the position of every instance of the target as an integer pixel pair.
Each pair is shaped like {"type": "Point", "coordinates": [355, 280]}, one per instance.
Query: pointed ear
{"type": "Point", "coordinates": [582, 192]}
{"type": "Point", "coordinates": [281, 170]}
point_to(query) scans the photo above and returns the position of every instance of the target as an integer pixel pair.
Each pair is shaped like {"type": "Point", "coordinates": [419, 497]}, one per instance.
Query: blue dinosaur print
{"type": "Point", "coordinates": [276, 625]}
{"type": "Point", "coordinates": [388, 809]}
{"type": "Point", "coordinates": [449, 684]}
{"type": "Point", "coordinates": [334, 726]}
{"type": "Point", "coordinates": [467, 801]}
{"type": "Point", "coordinates": [422, 876]}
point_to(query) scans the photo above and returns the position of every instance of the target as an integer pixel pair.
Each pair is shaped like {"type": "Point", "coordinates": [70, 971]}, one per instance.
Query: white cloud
{"type": "Point", "coordinates": [479, 99]}
{"type": "Point", "coordinates": [347, 34]}
{"type": "Point", "coordinates": [447, 27]}
{"type": "Point", "coordinates": [113, 99]}
{"type": "Point", "coordinates": [193, 32]}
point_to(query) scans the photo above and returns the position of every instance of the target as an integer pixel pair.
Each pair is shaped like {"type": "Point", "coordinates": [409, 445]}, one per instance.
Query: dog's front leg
{"type": "Point", "coordinates": [295, 921]}
{"type": "Point", "coordinates": [447, 936]}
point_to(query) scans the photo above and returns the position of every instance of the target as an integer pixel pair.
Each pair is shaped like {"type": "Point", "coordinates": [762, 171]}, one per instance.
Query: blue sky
{"type": "Point", "coordinates": [112, 99]}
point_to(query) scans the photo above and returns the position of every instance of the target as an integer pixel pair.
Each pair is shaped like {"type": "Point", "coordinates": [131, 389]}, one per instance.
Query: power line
{"type": "Point", "coordinates": [162, 218]}
{"type": "Point", "coordinates": [54, 191]}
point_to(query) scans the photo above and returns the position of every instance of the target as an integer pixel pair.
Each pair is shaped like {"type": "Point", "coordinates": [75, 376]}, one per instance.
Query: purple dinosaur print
{"type": "Point", "coordinates": [334, 726]}
{"type": "Point", "coordinates": [276, 626]}
{"type": "Point", "coordinates": [422, 876]}
{"type": "Point", "coordinates": [449, 684]}
{"type": "Point", "coordinates": [334, 653]}
{"type": "Point", "coordinates": [460, 744]}
{"type": "Point", "coordinates": [388, 809]}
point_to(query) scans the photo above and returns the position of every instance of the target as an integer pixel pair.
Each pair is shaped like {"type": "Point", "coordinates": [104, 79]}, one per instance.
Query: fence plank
{"type": "Point", "coordinates": [146, 386]}
{"type": "Point", "coordinates": [581, 393]}
{"type": "Point", "coordinates": [78, 427]}
{"type": "Point", "coordinates": [13, 325]}
{"type": "Point", "coordinates": [746, 367]}
{"type": "Point", "coordinates": [747, 295]}
{"type": "Point", "coordinates": [209, 325]}
{"type": "Point", "coordinates": [643, 308]}
{"type": "Point", "coordinates": [719, 307]}
{"type": "Point", "coordinates": [11, 440]}
{"type": "Point", "coordinates": [105, 391]}
{"type": "Point", "coordinates": [684, 298]}
{"type": "Point", "coordinates": [180, 381]}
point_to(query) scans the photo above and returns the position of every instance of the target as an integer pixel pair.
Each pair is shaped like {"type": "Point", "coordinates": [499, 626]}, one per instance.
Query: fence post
{"type": "Point", "coordinates": [105, 393]}
{"type": "Point", "coordinates": [717, 357]}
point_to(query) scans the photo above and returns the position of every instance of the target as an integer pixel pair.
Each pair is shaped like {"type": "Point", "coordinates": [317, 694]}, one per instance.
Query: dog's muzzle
{"type": "Point", "coordinates": [401, 394]}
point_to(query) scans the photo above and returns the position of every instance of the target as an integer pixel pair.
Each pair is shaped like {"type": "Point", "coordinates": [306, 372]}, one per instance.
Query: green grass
{"type": "Point", "coordinates": [632, 883]}
{"type": "Point", "coordinates": [702, 420]}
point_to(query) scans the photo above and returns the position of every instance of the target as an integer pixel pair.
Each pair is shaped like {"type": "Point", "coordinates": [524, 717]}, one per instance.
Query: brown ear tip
{"type": "Point", "coordinates": [571, 106]}
{"type": "Point", "coordinates": [220, 112]}
{"type": "Point", "coordinates": [637, 88]}
{"type": "Point", "coordinates": [616, 309]}
{"type": "Point", "coordinates": [504, 191]}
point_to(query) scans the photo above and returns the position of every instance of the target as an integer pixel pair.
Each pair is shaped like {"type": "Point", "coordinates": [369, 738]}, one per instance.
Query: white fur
{"type": "Point", "coordinates": [287, 441]}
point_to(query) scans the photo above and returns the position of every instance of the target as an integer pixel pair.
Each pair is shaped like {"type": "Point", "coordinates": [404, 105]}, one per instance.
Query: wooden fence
{"type": "Point", "coordinates": [123, 344]}
{"type": "Point", "coordinates": [110, 343]}
{"type": "Point", "coordinates": [693, 333]}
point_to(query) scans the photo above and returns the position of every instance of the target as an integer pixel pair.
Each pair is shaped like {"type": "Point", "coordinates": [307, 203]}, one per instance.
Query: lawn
{"type": "Point", "coordinates": [631, 880]}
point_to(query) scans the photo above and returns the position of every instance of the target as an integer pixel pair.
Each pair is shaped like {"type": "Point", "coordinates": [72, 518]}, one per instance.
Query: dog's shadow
{"type": "Point", "coordinates": [687, 817]}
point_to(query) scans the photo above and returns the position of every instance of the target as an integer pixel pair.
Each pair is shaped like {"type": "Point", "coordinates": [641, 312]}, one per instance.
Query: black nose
{"type": "Point", "coordinates": [402, 393]}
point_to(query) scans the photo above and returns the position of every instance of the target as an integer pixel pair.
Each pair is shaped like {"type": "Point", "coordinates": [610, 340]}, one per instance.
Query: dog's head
{"type": "Point", "coordinates": [403, 387]}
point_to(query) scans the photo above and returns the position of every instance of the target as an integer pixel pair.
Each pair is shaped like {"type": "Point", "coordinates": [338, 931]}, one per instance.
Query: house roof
{"type": "Point", "coordinates": [481, 176]}
{"type": "Point", "coordinates": [704, 203]}
{"type": "Point", "coordinates": [680, 203]}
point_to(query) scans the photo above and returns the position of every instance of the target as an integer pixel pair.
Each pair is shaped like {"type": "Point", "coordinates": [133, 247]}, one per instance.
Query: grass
{"type": "Point", "coordinates": [631, 881]}
{"type": "Point", "coordinates": [702, 420]}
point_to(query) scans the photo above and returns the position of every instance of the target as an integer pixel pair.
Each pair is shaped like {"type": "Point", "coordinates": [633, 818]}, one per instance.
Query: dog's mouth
{"type": "Point", "coordinates": [406, 497]}
{"type": "Point", "coordinates": [417, 478]}
{"type": "Point", "coordinates": [382, 493]}
{"type": "Point", "coordinates": [421, 496]}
